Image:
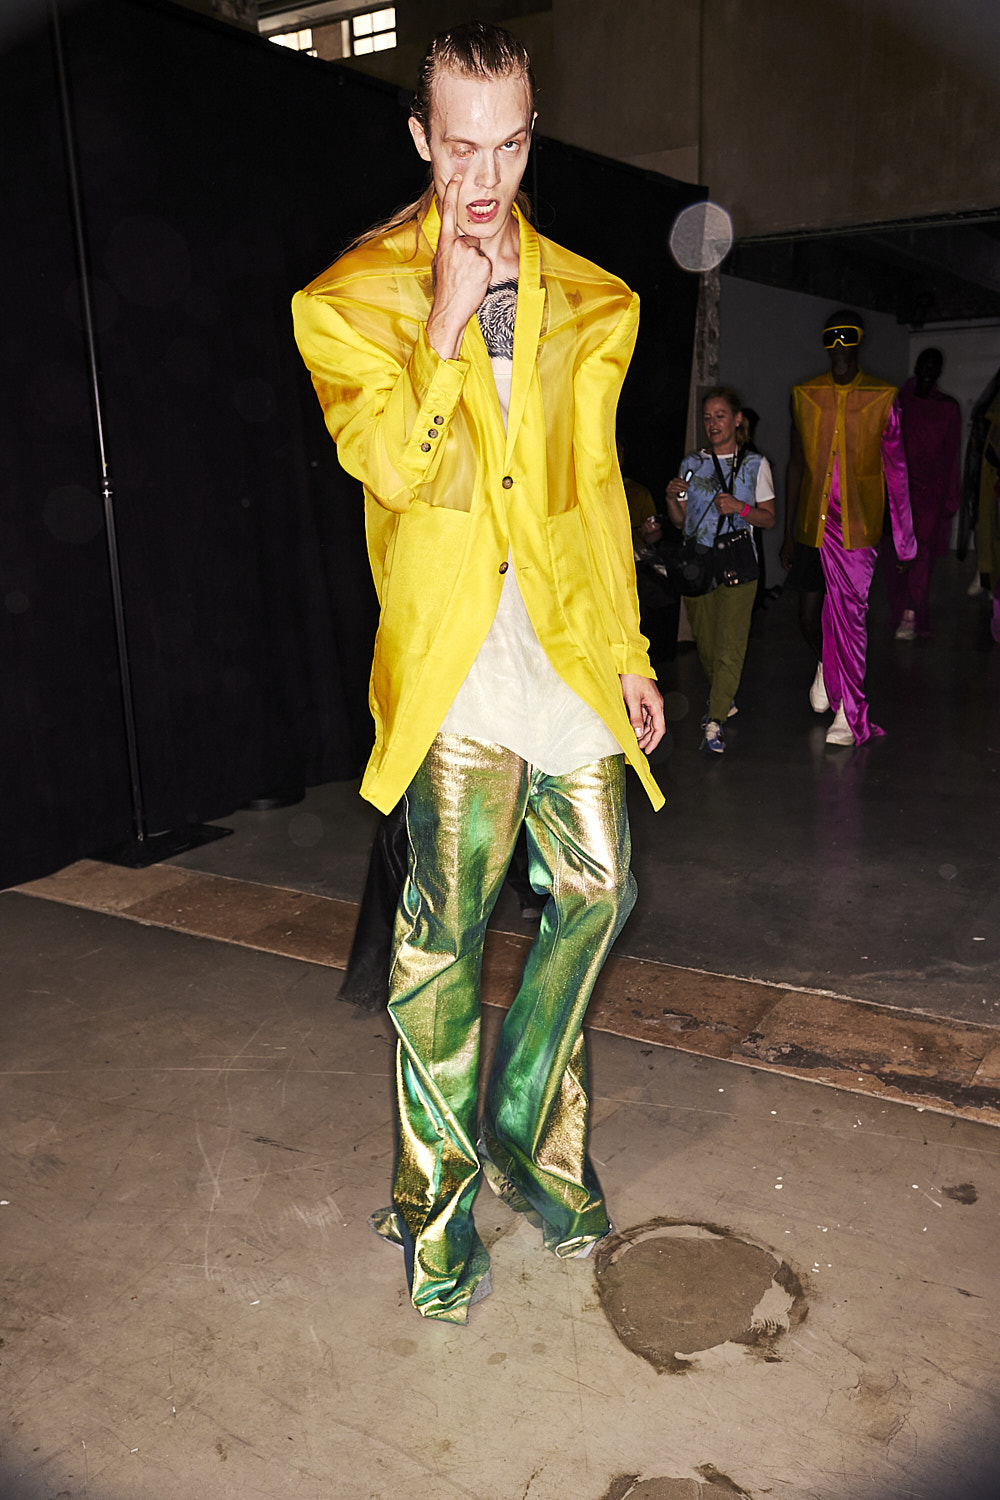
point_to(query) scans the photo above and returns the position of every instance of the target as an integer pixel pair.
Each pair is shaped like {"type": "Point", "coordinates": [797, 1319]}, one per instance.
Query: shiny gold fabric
{"type": "Point", "coordinates": [463, 811]}
{"type": "Point", "coordinates": [450, 492]}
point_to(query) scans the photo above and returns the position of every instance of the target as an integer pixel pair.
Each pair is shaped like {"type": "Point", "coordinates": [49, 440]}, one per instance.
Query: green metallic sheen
{"type": "Point", "coordinates": [463, 811]}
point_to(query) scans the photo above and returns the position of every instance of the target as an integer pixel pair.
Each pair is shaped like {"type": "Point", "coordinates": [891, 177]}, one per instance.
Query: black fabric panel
{"type": "Point", "coordinates": [64, 782]}
{"type": "Point", "coordinates": [219, 174]}
{"type": "Point", "coordinates": [250, 611]}
{"type": "Point", "coordinates": [620, 217]}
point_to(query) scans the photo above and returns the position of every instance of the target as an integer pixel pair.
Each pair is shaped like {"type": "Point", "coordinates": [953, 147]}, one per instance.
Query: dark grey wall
{"type": "Point", "coordinates": [795, 114]}
{"type": "Point", "coordinates": [850, 111]}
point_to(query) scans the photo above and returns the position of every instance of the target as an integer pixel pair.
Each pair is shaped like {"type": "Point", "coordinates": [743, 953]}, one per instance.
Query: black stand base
{"type": "Point", "coordinates": [138, 854]}
{"type": "Point", "coordinates": [286, 794]}
{"type": "Point", "coordinates": [276, 800]}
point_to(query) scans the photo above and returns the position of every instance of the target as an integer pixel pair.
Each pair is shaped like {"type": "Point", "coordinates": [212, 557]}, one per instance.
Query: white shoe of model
{"type": "Point", "coordinates": [817, 693]}
{"type": "Point", "coordinates": [907, 629]}
{"type": "Point", "coordinates": [839, 732]}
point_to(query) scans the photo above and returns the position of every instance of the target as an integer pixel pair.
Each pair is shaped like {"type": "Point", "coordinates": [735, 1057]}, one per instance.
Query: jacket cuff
{"type": "Point", "coordinates": [632, 662]}
{"type": "Point", "coordinates": [437, 389]}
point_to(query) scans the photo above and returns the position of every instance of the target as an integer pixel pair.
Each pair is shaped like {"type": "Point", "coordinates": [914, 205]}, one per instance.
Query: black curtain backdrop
{"type": "Point", "coordinates": [218, 174]}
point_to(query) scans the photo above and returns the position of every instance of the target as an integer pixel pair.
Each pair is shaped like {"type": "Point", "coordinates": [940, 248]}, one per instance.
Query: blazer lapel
{"type": "Point", "coordinates": [475, 351]}
{"type": "Point", "coordinates": [527, 325]}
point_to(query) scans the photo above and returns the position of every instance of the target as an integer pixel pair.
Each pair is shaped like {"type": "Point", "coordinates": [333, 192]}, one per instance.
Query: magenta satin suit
{"type": "Point", "coordinates": [848, 580]}
{"type": "Point", "coordinates": [932, 434]}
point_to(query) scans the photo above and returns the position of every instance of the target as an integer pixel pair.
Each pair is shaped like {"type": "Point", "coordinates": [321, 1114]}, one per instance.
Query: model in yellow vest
{"type": "Point", "coordinates": [847, 453]}
{"type": "Point", "coordinates": [846, 421]}
{"type": "Point", "coordinates": [501, 550]}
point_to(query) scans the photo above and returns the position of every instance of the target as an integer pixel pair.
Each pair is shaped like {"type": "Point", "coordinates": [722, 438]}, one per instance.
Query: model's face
{"type": "Point", "coordinates": [843, 362]}
{"type": "Point", "coordinates": [928, 371]}
{"type": "Point", "coordinates": [844, 353]}
{"type": "Point", "coordinates": [480, 128]}
{"type": "Point", "coordinates": [721, 423]}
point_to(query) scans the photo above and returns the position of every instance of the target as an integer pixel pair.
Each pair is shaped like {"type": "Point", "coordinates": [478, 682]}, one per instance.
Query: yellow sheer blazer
{"type": "Point", "coordinates": [449, 492]}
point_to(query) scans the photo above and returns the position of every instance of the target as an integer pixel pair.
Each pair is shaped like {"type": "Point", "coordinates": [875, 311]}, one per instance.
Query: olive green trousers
{"type": "Point", "coordinates": [720, 624]}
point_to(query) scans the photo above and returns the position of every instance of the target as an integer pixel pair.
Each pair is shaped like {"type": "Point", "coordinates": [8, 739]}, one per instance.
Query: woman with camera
{"type": "Point", "coordinates": [725, 489]}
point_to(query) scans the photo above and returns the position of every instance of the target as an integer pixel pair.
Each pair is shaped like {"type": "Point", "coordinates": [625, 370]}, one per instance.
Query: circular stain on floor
{"type": "Point", "coordinates": [675, 1293]}
{"type": "Point", "coordinates": [634, 1487]}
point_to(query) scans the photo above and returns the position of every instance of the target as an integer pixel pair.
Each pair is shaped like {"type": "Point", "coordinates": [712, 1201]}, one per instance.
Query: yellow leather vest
{"type": "Point", "coordinates": [845, 420]}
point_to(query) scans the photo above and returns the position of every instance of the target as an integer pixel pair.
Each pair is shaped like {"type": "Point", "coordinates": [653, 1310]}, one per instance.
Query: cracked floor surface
{"type": "Point", "coordinates": [193, 1307]}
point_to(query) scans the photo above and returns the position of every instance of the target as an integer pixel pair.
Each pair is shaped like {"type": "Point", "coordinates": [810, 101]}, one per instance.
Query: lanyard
{"type": "Point", "coordinates": [737, 460]}
{"type": "Point", "coordinates": [734, 470]}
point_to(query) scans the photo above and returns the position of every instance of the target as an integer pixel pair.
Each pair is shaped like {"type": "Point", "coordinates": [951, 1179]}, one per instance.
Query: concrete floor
{"type": "Point", "coordinates": [193, 1306]}
{"type": "Point", "coordinates": [194, 1133]}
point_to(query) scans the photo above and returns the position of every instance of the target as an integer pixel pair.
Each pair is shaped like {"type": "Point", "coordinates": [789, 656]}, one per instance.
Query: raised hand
{"type": "Point", "coordinates": [677, 501]}
{"type": "Point", "coordinates": [462, 274]}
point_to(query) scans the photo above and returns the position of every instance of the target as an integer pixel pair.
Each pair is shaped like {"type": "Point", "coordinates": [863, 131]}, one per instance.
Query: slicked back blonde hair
{"type": "Point", "coordinates": [473, 50]}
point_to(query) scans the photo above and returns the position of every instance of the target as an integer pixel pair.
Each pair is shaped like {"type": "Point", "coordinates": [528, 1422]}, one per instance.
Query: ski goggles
{"type": "Point", "coordinates": [846, 334]}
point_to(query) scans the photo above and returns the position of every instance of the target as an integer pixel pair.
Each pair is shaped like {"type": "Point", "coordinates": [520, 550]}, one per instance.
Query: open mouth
{"type": "Point", "coordinates": [483, 210]}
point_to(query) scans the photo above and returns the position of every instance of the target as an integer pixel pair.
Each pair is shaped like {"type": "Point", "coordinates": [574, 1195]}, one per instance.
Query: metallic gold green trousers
{"type": "Point", "coordinates": [463, 811]}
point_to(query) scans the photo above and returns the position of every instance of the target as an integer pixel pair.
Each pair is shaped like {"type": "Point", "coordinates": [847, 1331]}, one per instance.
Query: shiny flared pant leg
{"type": "Point", "coordinates": [909, 589]}
{"type": "Point", "coordinates": [463, 810]}
{"type": "Point", "coordinates": [848, 577]}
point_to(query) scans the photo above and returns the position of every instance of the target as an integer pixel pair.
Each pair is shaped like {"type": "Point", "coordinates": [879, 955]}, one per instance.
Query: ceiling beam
{"type": "Point", "coordinates": [287, 15]}
{"type": "Point", "coordinates": [957, 250]}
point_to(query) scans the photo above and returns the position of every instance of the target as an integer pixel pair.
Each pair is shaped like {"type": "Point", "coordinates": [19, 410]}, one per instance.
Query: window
{"type": "Point", "coordinates": [299, 41]}
{"type": "Point", "coordinates": [375, 31]}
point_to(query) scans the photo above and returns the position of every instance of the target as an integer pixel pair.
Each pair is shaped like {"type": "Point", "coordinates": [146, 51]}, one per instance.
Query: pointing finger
{"type": "Point", "coordinates": [449, 208]}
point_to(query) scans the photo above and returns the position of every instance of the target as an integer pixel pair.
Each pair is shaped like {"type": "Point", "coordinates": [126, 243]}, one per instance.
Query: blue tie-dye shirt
{"type": "Point", "coordinates": [752, 485]}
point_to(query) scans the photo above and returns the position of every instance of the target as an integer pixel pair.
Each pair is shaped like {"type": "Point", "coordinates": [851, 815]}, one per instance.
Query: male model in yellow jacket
{"type": "Point", "coordinates": [469, 371]}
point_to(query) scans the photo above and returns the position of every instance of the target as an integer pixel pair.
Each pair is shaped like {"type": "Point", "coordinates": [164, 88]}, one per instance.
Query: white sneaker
{"type": "Point", "coordinates": [907, 630]}
{"type": "Point", "coordinates": [839, 732]}
{"type": "Point", "coordinates": [817, 693]}
{"type": "Point", "coordinates": [714, 739]}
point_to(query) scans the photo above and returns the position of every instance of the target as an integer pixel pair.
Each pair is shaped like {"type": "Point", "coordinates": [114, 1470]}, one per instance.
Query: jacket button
{"type": "Point", "coordinates": [507, 482]}
{"type": "Point", "coordinates": [504, 566]}
{"type": "Point", "coordinates": [425, 447]}
{"type": "Point", "coordinates": [432, 432]}
{"type": "Point", "coordinates": [439, 421]}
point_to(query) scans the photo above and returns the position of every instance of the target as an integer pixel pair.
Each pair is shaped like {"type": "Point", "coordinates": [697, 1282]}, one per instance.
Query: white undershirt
{"type": "Point", "coordinates": [512, 695]}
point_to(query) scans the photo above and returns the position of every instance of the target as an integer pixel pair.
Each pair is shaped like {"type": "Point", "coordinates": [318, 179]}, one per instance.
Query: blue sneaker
{"type": "Point", "coordinates": [714, 739]}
